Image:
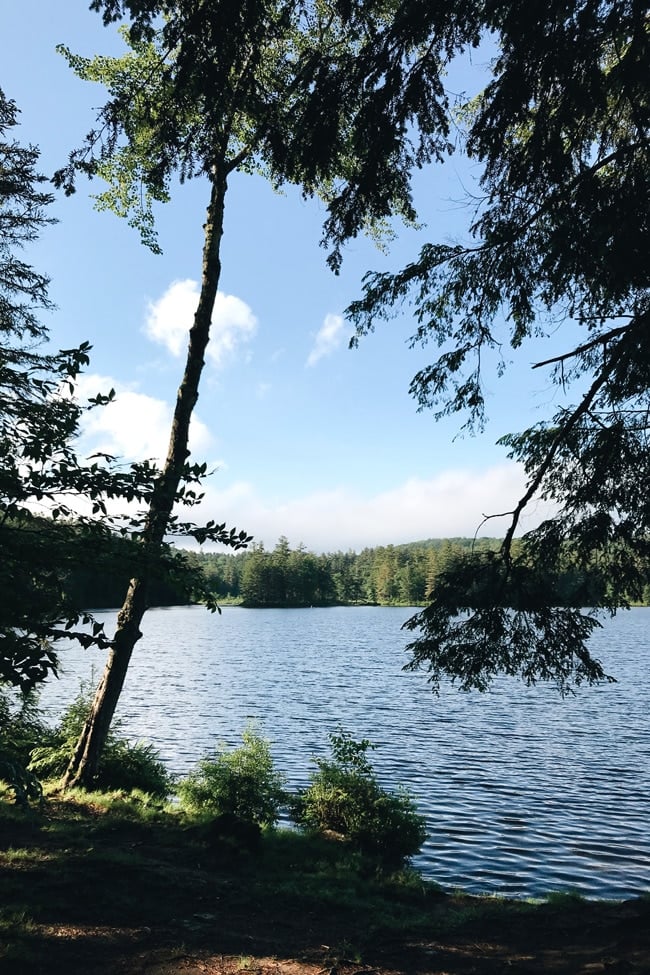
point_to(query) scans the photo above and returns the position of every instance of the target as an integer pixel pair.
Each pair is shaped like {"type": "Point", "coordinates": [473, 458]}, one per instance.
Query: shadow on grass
{"type": "Point", "coordinates": [108, 886]}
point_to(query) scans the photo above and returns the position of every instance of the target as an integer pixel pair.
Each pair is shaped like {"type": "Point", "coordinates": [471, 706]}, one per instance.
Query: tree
{"type": "Point", "coordinates": [34, 424]}
{"type": "Point", "coordinates": [207, 90]}
{"type": "Point", "coordinates": [344, 574]}
{"type": "Point", "coordinates": [41, 477]}
{"type": "Point", "coordinates": [560, 234]}
{"type": "Point", "coordinates": [254, 579]}
{"type": "Point", "coordinates": [385, 574]}
{"type": "Point", "coordinates": [46, 541]}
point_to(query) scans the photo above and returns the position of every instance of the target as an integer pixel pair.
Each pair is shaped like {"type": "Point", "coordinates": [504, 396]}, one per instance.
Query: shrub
{"type": "Point", "coordinates": [345, 797]}
{"type": "Point", "coordinates": [21, 726]}
{"type": "Point", "coordinates": [241, 781]}
{"type": "Point", "coordinates": [21, 730]}
{"type": "Point", "coordinates": [123, 765]}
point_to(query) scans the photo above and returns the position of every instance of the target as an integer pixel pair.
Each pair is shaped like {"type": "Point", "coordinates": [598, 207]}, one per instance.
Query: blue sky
{"type": "Point", "coordinates": [308, 439]}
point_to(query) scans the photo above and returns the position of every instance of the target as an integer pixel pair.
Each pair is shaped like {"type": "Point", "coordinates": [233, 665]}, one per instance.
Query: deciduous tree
{"type": "Point", "coordinates": [209, 89]}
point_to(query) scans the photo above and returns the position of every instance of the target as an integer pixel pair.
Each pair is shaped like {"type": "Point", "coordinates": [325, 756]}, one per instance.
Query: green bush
{"type": "Point", "coordinates": [123, 765]}
{"type": "Point", "coordinates": [21, 730]}
{"type": "Point", "coordinates": [345, 797]}
{"type": "Point", "coordinates": [21, 726]}
{"type": "Point", "coordinates": [241, 781]}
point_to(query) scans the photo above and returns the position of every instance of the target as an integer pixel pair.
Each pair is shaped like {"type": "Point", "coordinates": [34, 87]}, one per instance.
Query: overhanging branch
{"type": "Point", "coordinates": [565, 428]}
{"type": "Point", "coordinates": [599, 340]}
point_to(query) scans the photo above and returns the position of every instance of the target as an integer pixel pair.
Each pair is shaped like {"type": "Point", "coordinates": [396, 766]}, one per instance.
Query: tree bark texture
{"type": "Point", "coordinates": [82, 769]}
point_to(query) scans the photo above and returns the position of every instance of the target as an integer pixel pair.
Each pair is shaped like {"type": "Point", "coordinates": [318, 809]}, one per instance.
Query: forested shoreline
{"type": "Point", "coordinates": [284, 577]}
{"type": "Point", "coordinates": [385, 575]}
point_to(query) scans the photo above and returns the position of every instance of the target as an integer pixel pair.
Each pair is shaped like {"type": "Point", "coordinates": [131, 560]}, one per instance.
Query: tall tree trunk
{"type": "Point", "coordinates": [82, 769]}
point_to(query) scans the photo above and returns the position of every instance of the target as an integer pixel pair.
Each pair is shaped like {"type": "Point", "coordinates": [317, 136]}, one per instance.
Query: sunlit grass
{"type": "Point", "coordinates": [27, 856]}
{"type": "Point", "coordinates": [564, 898]}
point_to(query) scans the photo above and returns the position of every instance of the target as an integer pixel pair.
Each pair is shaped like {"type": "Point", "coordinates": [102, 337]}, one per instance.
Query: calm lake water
{"type": "Point", "coordinates": [524, 792]}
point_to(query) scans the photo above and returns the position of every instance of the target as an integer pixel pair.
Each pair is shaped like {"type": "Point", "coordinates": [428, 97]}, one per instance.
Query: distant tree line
{"type": "Point", "coordinates": [386, 575]}
{"type": "Point", "coordinates": [390, 575]}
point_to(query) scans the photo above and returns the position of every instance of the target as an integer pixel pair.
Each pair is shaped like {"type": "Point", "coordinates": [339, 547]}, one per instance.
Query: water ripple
{"type": "Point", "coordinates": [524, 792]}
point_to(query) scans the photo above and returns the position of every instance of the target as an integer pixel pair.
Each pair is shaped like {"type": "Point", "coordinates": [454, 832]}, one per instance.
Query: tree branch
{"type": "Point", "coordinates": [599, 340]}
{"type": "Point", "coordinates": [583, 408]}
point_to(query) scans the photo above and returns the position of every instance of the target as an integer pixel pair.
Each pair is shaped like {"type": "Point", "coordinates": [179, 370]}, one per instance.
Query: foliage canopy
{"type": "Point", "coordinates": [293, 88]}
{"type": "Point", "coordinates": [40, 473]}
{"type": "Point", "coordinates": [559, 236]}
{"type": "Point", "coordinates": [54, 506]}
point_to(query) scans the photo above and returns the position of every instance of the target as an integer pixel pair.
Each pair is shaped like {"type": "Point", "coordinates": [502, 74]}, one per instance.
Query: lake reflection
{"type": "Point", "coordinates": [524, 792]}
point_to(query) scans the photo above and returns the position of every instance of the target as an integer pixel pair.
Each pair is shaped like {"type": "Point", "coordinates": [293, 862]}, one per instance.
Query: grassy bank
{"type": "Point", "coordinates": [108, 885]}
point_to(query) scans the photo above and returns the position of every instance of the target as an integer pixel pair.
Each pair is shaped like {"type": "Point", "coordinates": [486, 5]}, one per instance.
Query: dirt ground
{"type": "Point", "coordinates": [587, 939]}
{"type": "Point", "coordinates": [83, 893]}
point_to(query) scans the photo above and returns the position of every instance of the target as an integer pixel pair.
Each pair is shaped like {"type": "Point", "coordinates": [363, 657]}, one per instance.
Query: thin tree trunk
{"type": "Point", "coordinates": [82, 769]}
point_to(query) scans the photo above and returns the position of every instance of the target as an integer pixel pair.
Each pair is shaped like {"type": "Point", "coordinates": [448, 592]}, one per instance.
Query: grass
{"type": "Point", "coordinates": [95, 882]}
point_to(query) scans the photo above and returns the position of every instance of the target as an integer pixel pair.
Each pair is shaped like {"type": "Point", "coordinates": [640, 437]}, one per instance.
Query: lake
{"type": "Point", "coordinates": [524, 792]}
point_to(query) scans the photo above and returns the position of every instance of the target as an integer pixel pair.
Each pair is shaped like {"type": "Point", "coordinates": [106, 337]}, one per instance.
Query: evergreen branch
{"type": "Point", "coordinates": [580, 349]}
{"type": "Point", "coordinates": [581, 410]}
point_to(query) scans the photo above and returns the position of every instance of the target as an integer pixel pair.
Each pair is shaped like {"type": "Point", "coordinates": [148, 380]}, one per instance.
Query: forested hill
{"type": "Point", "coordinates": [388, 575]}
{"type": "Point", "coordinates": [92, 572]}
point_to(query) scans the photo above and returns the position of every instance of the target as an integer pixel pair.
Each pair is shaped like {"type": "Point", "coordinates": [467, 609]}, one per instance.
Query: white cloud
{"type": "Point", "coordinates": [232, 322]}
{"type": "Point", "coordinates": [134, 426]}
{"type": "Point", "coordinates": [447, 505]}
{"type": "Point", "coordinates": [170, 318]}
{"type": "Point", "coordinates": [331, 335]}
